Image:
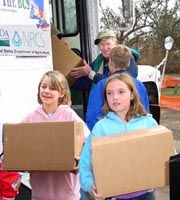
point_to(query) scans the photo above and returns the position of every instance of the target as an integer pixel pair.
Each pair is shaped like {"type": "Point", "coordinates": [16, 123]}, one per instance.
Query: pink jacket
{"type": "Point", "coordinates": [58, 184]}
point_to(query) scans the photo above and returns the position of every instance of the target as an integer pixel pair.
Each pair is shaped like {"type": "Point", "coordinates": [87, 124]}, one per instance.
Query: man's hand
{"type": "Point", "coordinates": [65, 42]}
{"type": "Point", "coordinates": [81, 71]}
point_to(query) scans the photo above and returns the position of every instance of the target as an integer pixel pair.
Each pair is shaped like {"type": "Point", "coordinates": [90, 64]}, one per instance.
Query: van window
{"type": "Point", "coordinates": [64, 16]}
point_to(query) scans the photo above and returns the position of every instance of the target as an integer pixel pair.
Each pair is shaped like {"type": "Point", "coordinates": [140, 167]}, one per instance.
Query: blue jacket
{"type": "Point", "coordinates": [96, 101]}
{"type": "Point", "coordinates": [110, 124]}
{"type": "Point", "coordinates": [84, 83]}
{"type": "Point", "coordinates": [132, 69]}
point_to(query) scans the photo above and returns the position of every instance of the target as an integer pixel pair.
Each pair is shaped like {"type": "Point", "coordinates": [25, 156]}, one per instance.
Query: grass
{"type": "Point", "coordinates": [171, 91]}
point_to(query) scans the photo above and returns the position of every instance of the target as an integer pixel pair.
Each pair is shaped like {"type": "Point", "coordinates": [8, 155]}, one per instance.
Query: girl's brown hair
{"type": "Point", "coordinates": [136, 108]}
{"type": "Point", "coordinates": [59, 83]}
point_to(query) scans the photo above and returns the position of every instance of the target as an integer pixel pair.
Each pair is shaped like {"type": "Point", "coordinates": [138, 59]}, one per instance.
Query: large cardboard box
{"type": "Point", "coordinates": [64, 59]}
{"type": "Point", "coordinates": [132, 161]}
{"type": "Point", "coordinates": [42, 146]}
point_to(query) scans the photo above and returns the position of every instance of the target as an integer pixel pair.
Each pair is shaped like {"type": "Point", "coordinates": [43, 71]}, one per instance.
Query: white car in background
{"type": "Point", "coordinates": [152, 78]}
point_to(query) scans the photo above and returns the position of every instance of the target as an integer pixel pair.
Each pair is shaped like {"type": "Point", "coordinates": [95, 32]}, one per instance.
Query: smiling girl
{"type": "Point", "coordinates": [55, 100]}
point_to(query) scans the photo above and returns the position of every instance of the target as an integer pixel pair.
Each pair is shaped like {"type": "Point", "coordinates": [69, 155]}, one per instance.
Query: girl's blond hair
{"type": "Point", "coordinates": [136, 108]}
{"type": "Point", "coordinates": [59, 83]}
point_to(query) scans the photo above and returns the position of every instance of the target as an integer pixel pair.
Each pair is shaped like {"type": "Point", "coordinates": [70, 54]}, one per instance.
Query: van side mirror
{"type": "Point", "coordinates": [168, 42]}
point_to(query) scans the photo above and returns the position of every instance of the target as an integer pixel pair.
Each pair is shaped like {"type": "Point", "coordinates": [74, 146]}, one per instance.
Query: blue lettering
{"type": "Point", "coordinates": [39, 40]}
{"type": "Point", "coordinates": [25, 39]}
{"type": "Point", "coordinates": [32, 39]}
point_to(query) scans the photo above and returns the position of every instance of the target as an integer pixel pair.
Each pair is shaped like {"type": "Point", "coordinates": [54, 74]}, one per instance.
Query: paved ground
{"type": "Point", "coordinates": [170, 119]}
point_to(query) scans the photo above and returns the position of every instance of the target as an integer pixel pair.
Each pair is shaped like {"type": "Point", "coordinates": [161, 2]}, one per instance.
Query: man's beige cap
{"type": "Point", "coordinates": [104, 35]}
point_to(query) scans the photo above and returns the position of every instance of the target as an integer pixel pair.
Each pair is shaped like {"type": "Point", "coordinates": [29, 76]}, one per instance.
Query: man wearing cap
{"type": "Point", "coordinates": [117, 65]}
{"type": "Point", "coordinates": [99, 69]}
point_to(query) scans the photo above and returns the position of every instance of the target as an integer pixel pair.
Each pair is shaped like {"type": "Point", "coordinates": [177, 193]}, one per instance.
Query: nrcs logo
{"type": "Point", "coordinates": [28, 39]}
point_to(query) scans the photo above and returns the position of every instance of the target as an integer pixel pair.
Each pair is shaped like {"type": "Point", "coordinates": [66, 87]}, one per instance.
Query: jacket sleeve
{"type": "Point", "coordinates": [85, 167]}
{"type": "Point", "coordinates": [82, 84]}
{"type": "Point", "coordinates": [135, 53]}
{"type": "Point", "coordinates": [85, 83]}
{"type": "Point", "coordinates": [9, 184]}
{"type": "Point", "coordinates": [133, 69]}
{"type": "Point", "coordinates": [98, 77]}
{"type": "Point", "coordinates": [95, 65]}
{"type": "Point", "coordinates": [143, 94]}
{"type": "Point", "coordinates": [95, 103]}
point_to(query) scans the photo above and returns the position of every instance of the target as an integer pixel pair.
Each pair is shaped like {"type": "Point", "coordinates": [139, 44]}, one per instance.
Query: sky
{"type": "Point", "coordinates": [115, 3]}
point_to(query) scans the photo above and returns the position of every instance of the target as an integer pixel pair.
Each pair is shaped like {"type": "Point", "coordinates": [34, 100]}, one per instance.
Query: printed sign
{"type": "Point", "coordinates": [24, 28]}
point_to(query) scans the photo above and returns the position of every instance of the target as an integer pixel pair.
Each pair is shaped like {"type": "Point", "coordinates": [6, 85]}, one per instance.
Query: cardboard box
{"type": "Point", "coordinates": [133, 161]}
{"type": "Point", "coordinates": [64, 59]}
{"type": "Point", "coordinates": [42, 146]}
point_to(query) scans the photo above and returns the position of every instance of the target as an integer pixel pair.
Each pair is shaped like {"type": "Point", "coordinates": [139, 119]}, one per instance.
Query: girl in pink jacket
{"type": "Point", "coordinates": [55, 100]}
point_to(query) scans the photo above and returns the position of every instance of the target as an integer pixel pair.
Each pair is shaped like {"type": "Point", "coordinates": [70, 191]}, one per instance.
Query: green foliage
{"type": "Point", "coordinates": [171, 91]}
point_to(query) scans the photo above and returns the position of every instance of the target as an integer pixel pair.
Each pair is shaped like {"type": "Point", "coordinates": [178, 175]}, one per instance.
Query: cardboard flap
{"type": "Point", "coordinates": [64, 59]}
{"type": "Point", "coordinates": [130, 135]}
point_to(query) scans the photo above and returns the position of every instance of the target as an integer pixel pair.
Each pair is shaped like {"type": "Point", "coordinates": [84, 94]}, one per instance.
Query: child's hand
{"type": "Point", "coordinates": [75, 169]}
{"type": "Point", "coordinates": [94, 193]}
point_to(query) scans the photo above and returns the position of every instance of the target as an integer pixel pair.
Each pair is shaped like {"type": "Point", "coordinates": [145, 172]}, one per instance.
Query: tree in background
{"type": "Point", "coordinates": [154, 19]}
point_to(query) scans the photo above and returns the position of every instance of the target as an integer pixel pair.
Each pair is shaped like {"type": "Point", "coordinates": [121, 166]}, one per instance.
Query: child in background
{"type": "Point", "coordinates": [54, 99]}
{"type": "Point", "coordinates": [9, 184]}
{"type": "Point", "coordinates": [9, 181]}
{"type": "Point", "coordinates": [123, 111]}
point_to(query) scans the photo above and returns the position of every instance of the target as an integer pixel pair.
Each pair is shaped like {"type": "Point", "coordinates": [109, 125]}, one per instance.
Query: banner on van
{"type": "Point", "coordinates": [25, 28]}
{"type": "Point", "coordinates": [24, 40]}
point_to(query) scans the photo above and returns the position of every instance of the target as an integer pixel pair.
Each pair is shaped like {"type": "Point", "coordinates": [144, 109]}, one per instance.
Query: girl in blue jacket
{"type": "Point", "coordinates": [123, 112]}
